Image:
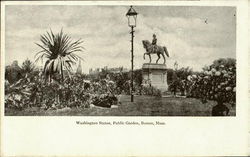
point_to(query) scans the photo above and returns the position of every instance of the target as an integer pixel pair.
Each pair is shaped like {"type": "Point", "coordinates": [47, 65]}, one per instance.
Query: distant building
{"type": "Point", "coordinates": [117, 70]}
{"type": "Point", "coordinates": [96, 71]}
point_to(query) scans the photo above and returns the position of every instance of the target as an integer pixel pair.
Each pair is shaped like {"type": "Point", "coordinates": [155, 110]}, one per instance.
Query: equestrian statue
{"type": "Point", "coordinates": [152, 48]}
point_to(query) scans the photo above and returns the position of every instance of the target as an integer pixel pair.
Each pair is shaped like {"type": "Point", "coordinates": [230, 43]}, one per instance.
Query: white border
{"type": "Point", "coordinates": [180, 136]}
{"type": "Point", "coordinates": [128, 3]}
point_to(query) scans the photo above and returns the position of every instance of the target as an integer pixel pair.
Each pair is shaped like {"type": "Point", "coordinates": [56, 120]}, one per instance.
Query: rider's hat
{"type": "Point", "coordinates": [154, 35]}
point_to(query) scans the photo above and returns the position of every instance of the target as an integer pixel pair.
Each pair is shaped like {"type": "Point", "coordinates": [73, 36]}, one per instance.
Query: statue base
{"type": "Point", "coordinates": [155, 75]}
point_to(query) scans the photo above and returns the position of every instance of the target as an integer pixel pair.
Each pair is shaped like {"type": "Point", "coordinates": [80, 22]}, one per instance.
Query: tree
{"type": "Point", "coordinates": [182, 73]}
{"type": "Point", "coordinates": [59, 52]}
{"type": "Point", "coordinates": [27, 66]}
{"type": "Point", "coordinates": [177, 79]}
{"type": "Point", "coordinates": [217, 82]}
{"type": "Point", "coordinates": [138, 77]}
{"type": "Point", "coordinates": [170, 73]}
{"type": "Point", "coordinates": [13, 72]}
{"type": "Point", "coordinates": [225, 62]}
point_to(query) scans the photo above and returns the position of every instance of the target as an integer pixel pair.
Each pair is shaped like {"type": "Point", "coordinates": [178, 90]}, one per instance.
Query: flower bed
{"type": "Point", "coordinates": [74, 92]}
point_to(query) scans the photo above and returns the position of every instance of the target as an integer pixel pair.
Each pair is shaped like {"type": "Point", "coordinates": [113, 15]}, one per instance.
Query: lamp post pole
{"type": "Point", "coordinates": [132, 14]}
{"type": "Point", "coordinates": [132, 62]}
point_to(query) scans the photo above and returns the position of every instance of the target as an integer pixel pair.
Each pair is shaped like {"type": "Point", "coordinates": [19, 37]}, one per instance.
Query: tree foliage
{"type": "Point", "coordinates": [27, 66]}
{"type": "Point", "coordinates": [13, 72]}
{"type": "Point", "coordinates": [217, 82]}
{"type": "Point", "coordinates": [59, 52]}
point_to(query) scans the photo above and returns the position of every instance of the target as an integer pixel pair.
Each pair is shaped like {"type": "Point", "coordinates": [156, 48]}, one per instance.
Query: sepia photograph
{"type": "Point", "coordinates": [116, 60]}
{"type": "Point", "coordinates": [124, 78]}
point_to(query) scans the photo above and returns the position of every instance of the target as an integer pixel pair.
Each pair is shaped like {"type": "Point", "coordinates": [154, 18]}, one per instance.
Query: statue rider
{"type": "Point", "coordinates": [154, 41]}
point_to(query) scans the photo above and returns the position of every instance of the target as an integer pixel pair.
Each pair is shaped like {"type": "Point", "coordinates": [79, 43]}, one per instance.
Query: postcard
{"type": "Point", "coordinates": [124, 78]}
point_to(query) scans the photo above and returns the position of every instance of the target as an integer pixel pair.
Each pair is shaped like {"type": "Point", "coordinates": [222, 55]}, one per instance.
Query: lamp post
{"type": "Point", "coordinates": [132, 15]}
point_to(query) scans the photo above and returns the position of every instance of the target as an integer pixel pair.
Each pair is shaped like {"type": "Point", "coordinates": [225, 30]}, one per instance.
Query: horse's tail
{"type": "Point", "coordinates": [166, 51]}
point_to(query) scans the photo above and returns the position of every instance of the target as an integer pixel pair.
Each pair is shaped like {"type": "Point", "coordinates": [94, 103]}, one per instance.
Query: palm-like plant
{"type": "Point", "coordinates": [59, 52]}
{"type": "Point", "coordinates": [27, 66]}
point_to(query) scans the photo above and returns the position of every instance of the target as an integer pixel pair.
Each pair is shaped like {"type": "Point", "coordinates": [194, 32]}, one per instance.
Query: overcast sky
{"type": "Point", "coordinates": [190, 41]}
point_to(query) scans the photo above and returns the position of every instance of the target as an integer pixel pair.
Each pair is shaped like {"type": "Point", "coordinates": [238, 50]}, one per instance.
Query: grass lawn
{"type": "Point", "coordinates": [142, 106]}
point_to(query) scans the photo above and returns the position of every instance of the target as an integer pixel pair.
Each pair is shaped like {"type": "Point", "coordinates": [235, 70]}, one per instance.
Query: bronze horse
{"type": "Point", "coordinates": [159, 50]}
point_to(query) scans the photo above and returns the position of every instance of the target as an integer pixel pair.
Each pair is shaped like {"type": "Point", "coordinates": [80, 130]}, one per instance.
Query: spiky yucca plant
{"type": "Point", "coordinates": [58, 50]}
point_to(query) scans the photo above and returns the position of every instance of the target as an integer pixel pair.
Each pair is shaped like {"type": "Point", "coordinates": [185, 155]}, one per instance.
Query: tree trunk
{"type": "Point", "coordinates": [61, 73]}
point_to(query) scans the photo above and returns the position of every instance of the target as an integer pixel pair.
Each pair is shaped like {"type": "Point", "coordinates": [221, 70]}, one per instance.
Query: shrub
{"type": "Point", "coordinates": [74, 92]}
{"type": "Point", "coordinates": [214, 83]}
{"type": "Point", "coordinates": [151, 91]}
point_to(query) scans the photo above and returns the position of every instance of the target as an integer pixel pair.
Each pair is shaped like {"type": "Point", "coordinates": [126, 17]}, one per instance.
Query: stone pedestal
{"type": "Point", "coordinates": [155, 75]}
